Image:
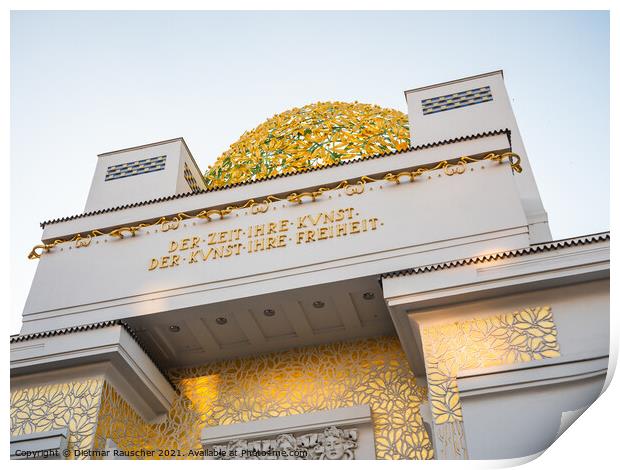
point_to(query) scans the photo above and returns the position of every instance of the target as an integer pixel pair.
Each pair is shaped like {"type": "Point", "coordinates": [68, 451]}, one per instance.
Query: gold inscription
{"type": "Point", "coordinates": [256, 238]}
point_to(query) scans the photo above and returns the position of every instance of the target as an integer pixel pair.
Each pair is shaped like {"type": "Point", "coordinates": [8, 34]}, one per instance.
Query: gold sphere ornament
{"type": "Point", "coordinates": [312, 136]}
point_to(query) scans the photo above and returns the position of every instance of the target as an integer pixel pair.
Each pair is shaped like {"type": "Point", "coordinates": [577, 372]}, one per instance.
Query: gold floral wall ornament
{"type": "Point", "coordinates": [369, 371]}
{"type": "Point", "coordinates": [83, 242]}
{"type": "Point", "coordinates": [74, 405]}
{"type": "Point", "coordinates": [173, 224]}
{"type": "Point", "coordinates": [209, 214]}
{"type": "Point", "coordinates": [522, 336]}
{"type": "Point", "coordinates": [450, 168]}
{"type": "Point", "coordinates": [260, 207]}
{"type": "Point", "coordinates": [124, 231]}
{"type": "Point", "coordinates": [309, 137]}
{"type": "Point", "coordinates": [117, 420]}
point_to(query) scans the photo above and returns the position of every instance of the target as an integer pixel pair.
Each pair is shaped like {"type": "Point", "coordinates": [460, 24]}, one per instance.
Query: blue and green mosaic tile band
{"type": "Point", "coordinates": [138, 167]}
{"type": "Point", "coordinates": [193, 184]}
{"type": "Point", "coordinates": [456, 100]}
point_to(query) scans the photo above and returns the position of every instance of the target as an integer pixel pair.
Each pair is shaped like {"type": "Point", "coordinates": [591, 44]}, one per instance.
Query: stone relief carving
{"type": "Point", "coordinates": [331, 444]}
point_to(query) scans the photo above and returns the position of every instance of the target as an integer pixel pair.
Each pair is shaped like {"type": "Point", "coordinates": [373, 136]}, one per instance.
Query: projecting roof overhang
{"type": "Point", "coordinates": [108, 349]}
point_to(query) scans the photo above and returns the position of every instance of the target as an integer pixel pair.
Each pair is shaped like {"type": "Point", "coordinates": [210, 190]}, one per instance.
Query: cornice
{"type": "Point", "coordinates": [537, 248]}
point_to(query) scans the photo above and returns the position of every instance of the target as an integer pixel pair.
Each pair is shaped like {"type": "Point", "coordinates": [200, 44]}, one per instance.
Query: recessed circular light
{"type": "Point", "coordinates": [221, 320]}
{"type": "Point", "coordinates": [174, 328]}
{"type": "Point", "coordinates": [368, 295]}
{"type": "Point", "coordinates": [318, 304]}
{"type": "Point", "coordinates": [268, 312]}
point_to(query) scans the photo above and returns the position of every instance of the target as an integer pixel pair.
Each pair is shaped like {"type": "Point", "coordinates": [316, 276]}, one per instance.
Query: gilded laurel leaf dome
{"type": "Point", "coordinates": [312, 136]}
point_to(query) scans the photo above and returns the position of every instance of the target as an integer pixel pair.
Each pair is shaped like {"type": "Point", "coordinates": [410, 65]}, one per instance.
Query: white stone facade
{"type": "Point", "coordinates": [169, 274]}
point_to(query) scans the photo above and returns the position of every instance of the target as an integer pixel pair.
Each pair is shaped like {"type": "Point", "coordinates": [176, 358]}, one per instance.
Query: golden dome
{"type": "Point", "coordinates": [312, 136]}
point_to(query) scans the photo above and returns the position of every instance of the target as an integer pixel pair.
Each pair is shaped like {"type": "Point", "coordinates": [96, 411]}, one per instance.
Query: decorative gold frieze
{"type": "Point", "coordinates": [522, 336]}
{"type": "Point", "coordinates": [370, 371]}
{"type": "Point", "coordinates": [74, 405]}
{"type": "Point", "coordinates": [118, 421]}
{"type": "Point", "coordinates": [450, 168]}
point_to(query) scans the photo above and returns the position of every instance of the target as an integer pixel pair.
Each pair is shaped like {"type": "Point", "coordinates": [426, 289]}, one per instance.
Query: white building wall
{"type": "Point", "coordinates": [477, 118]}
{"type": "Point", "coordinates": [140, 187]}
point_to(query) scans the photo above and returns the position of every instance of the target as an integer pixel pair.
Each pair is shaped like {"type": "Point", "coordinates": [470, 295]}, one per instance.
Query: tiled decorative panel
{"type": "Point", "coordinates": [138, 167]}
{"type": "Point", "coordinates": [456, 100]}
{"type": "Point", "coordinates": [193, 184]}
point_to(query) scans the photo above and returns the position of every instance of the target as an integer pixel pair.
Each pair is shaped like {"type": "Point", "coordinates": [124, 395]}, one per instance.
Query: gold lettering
{"type": "Point", "coordinates": [325, 233]}
{"type": "Point", "coordinates": [184, 244]}
{"type": "Point", "coordinates": [259, 245]}
{"type": "Point", "coordinates": [307, 228]}
{"type": "Point", "coordinates": [218, 252]}
{"type": "Point", "coordinates": [315, 221]}
{"type": "Point", "coordinates": [271, 242]}
{"type": "Point", "coordinates": [301, 221]}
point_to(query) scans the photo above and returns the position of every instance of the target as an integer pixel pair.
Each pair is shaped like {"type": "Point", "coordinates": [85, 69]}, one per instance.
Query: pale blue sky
{"type": "Point", "coordinates": [83, 83]}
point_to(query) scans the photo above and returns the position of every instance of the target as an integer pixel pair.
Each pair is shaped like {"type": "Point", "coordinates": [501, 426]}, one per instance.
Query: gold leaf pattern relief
{"type": "Point", "coordinates": [522, 336]}
{"type": "Point", "coordinates": [309, 137]}
{"type": "Point", "coordinates": [74, 405]}
{"type": "Point", "coordinates": [371, 371]}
